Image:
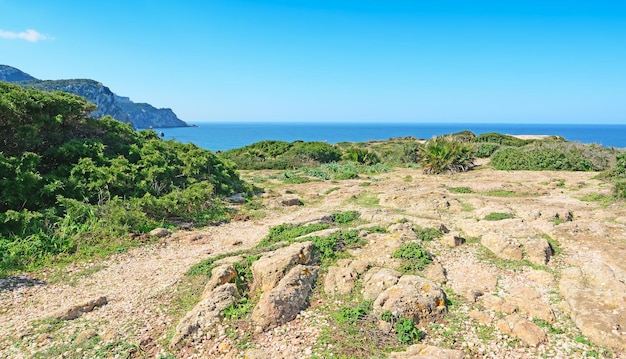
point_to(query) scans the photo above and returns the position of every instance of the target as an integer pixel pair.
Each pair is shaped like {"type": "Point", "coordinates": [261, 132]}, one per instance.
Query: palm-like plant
{"type": "Point", "coordinates": [445, 153]}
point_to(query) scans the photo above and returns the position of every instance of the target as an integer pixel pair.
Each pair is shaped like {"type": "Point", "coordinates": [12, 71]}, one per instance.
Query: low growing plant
{"type": "Point", "coordinates": [415, 258]}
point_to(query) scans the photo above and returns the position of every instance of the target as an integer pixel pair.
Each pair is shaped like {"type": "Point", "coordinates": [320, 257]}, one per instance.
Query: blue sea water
{"type": "Point", "coordinates": [224, 136]}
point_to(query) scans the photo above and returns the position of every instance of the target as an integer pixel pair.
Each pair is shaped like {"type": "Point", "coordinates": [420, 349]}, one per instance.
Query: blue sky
{"type": "Point", "coordinates": [362, 60]}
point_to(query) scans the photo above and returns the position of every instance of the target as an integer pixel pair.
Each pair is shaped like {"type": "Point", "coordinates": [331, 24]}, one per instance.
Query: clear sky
{"type": "Point", "coordinates": [335, 60]}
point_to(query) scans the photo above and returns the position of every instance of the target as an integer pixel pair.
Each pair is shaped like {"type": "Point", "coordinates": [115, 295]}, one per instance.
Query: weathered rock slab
{"type": "Point", "coordinates": [268, 270]}
{"type": "Point", "coordinates": [422, 351]}
{"type": "Point", "coordinates": [282, 303]}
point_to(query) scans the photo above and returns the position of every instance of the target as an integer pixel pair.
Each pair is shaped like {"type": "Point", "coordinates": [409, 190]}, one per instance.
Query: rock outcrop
{"type": "Point", "coordinates": [140, 115]}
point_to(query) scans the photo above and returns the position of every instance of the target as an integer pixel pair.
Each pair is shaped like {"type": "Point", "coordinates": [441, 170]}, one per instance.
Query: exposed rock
{"type": "Point", "coordinates": [529, 301]}
{"type": "Point", "coordinates": [291, 202]}
{"type": "Point", "coordinates": [524, 329]}
{"type": "Point", "coordinates": [537, 250]}
{"type": "Point", "coordinates": [268, 270]}
{"type": "Point", "coordinates": [453, 240]}
{"type": "Point", "coordinates": [596, 297]}
{"type": "Point", "coordinates": [160, 232]}
{"type": "Point", "coordinates": [435, 272]}
{"type": "Point", "coordinates": [377, 279]}
{"type": "Point", "coordinates": [480, 317]}
{"type": "Point", "coordinates": [498, 304]}
{"type": "Point", "coordinates": [506, 248]}
{"type": "Point", "coordinates": [282, 303]}
{"type": "Point", "coordinates": [85, 335]}
{"type": "Point", "coordinates": [206, 312]}
{"type": "Point", "coordinates": [422, 351]}
{"type": "Point", "coordinates": [222, 274]}
{"type": "Point", "coordinates": [237, 198]}
{"type": "Point", "coordinates": [78, 310]}
{"type": "Point", "coordinates": [469, 279]}
{"type": "Point", "coordinates": [412, 297]}
{"type": "Point", "coordinates": [340, 280]}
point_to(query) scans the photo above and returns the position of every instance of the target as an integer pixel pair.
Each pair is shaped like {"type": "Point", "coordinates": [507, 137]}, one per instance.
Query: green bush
{"type": "Point", "coordinates": [485, 149]}
{"type": "Point", "coordinates": [498, 138]}
{"type": "Point", "coordinates": [554, 156]}
{"type": "Point", "coordinates": [361, 155]}
{"type": "Point", "coordinates": [72, 184]}
{"type": "Point", "coordinates": [415, 258]}
{"type": "Point", "coordinates": [427, 234]}
{"type": "Point", "coordinates": [406, 331]}
{"type": "Point", "coordinates": [445, 153]}
{"type": "Point", "coordinates": [345, 217]}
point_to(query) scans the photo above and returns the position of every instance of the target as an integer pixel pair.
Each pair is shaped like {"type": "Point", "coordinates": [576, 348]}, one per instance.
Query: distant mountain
{"type": "Point", "coordinates": [140, 115]}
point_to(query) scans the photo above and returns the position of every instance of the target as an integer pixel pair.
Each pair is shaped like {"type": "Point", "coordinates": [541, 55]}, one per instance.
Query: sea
{"type": "Point", "coordinates": [222, 136]}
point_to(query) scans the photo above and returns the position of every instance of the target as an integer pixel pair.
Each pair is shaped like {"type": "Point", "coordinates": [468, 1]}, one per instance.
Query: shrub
{"type": "Point", "coordinates": [345, 217]}
{"type": "Point", "coordinates": [554, 156]}
{"type": "Point", "coordinates": [406, 331]}
{"type": "Point", "coordinates": [427, 234]}
{"type": "Point", "coordinates": [445, 153]}
{"type": "Point", "coordinates": [498, 138]}
{"type": "Point", "coordinates": [485, 149]}
{"type": "Point", "coordinates": [414, 256]}
{"type": "Point", "coordinates": [361, 155]}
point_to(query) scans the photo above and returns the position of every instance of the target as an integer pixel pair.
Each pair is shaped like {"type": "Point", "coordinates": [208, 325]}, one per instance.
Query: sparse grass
{"type": "Point", "coordinates": [367, 199]}
{"type": "Point", "coordinates": [460, 190]}
{"type": "Point", "coordinates": [497, 216]}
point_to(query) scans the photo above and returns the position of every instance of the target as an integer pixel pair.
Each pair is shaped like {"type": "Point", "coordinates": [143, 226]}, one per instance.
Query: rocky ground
{"type": "Point", "coordinates": [546, 278]}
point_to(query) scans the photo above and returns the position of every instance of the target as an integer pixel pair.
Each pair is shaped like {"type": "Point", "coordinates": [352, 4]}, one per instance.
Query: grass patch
{"type": "Point", "coordinates": [460, 190]}
{"type": "Point", "coordinates": [366, 199]}
{"type": "Point", "coordinates": [497, 216]}
{"type": "Point", "coordinates": [345, 217]}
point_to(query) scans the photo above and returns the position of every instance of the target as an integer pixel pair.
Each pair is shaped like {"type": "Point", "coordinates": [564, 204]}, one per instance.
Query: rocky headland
{"type": "Point", "coordinates": [140, 115]}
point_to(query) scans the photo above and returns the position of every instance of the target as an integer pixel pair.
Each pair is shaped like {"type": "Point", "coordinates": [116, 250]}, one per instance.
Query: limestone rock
{"type": "Point", "coordinates": [506, 248]}
{"type": "Point", "coordinates": [376, 280]}
{"type": "Point", "coordinates": [537, 250]}
{"type": "Point", "coordinates": [223, 274]}
{"type": "Point", "coordinates": [596, 296]}
{"type": "Point", "coordinates": [237, 198]}
{"type": "Point", "coordinates": [452, 240]}
{"type": "Point", "coordinates": [291, 202]}
{"type": "Point", "coordinates": [480, 317]}
{"type": "Point", "coordinates": [268, 270]}
{"type": "Point", "coordinates": [524, 329]}
{"type": "Point", "coordinates": [282, 303]}
{"type": "Point", "coordinates": [206, 312]}
{"type": "Point", "coordinates": [78, 310]}
{"type": "Point", "coordinates": [340, 280]}
{"type": "Point", "coordinates": [412, 297]}
{"type": "Point", "coordinates": [470, 279]}
{"type": "Point", "coordinates": [160, 232]}
{"type": "Point", "coordinates": [435, 272]}
{"type": "Point", "coordinates": [422, 351]}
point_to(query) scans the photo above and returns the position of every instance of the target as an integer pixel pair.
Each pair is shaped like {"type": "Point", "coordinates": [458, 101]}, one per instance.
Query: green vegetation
{"type": "Point", "coordinates": [460, 190]}
{"type": "Point", "coordinates": [73, 186]}
{"type": "Point", "coordinates": [415, 258]}
{"type": "Point", "coordinates": [427, 234]}
{"type": "Point", "coordinates": [554, 156]}
{"type": "Point", "coordinates": [345, 217]}
{"type": "Point", "coordinates": [498, 216]}
{"type": "Point", "coordinates": [446, 154]}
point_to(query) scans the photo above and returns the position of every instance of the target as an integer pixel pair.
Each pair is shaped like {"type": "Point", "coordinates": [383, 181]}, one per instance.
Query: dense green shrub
{"type": "Point", "coordinates": [361, 155]}
{"type": "Point", "coordinates": [415, 258]}
{"type": "Point", "coordinates": [554, 156]}
{"type": "Point", "coordinates": [485, 149]}
{"type": "Point", "coordinates": [71, 184]}
{"type": "Point", "coordinates": [504, 140]}
{"type": "Point", "coordinates": [445, 153]}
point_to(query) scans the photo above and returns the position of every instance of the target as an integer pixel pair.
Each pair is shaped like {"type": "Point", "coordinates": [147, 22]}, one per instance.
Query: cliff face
{"type": "Point", "coordinates": [140, 115]}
